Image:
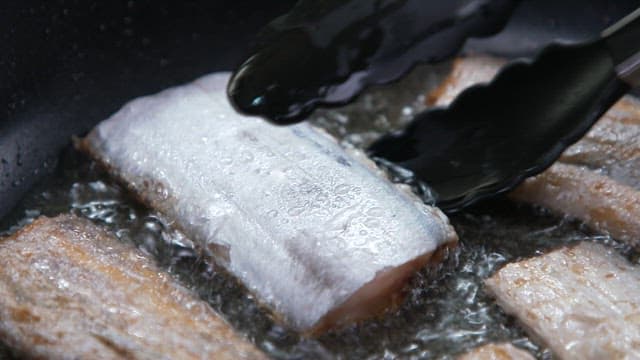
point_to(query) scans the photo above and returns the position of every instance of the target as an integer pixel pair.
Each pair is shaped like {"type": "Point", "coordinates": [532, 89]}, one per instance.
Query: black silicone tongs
{"type": "Point", "coordinates": [493, 136]}
{"type": "Point", "coordinates": [325, 52]}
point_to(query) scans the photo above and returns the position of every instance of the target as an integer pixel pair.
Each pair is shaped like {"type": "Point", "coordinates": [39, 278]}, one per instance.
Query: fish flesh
{"type": "Point", "coordinates": [582, 301]}
{"type": "Point", "coordinates": [599, 201]}
{"type": "Point", "coordinates": [70, 290]}
{"type": "Point", "coordinates": [504, 351]}
{"type": "Point", "coordinates": [312, 230]}
{"type": "Point", "coordinates": [596, 180]}
{"type": "Point", "coordinates": [612, 146]}
{"type": "Point", "coordinates": [465, 72]}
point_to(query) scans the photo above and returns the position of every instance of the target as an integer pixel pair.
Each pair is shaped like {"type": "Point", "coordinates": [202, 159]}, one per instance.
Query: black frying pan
{"type": "Point", "coordinates": [66, 65]}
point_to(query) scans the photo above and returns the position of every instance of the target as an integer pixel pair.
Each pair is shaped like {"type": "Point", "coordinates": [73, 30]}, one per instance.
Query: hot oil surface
{"type": "Point", "coordinates": [440, 318]}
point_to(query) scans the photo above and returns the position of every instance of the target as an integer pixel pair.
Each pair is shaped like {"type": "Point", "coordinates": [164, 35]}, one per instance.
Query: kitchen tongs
{"type": "Point", "coordinates": [495, 135]}
{"type": "Point", "coordinates": [324, 53]}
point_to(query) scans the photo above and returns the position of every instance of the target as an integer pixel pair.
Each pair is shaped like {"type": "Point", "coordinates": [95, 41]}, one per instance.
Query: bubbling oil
{"type": "Point", "coordinates": [444, 315]}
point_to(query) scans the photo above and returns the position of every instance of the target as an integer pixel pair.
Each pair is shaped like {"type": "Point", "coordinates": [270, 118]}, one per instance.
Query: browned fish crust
{"type": "Point", "coordinates": [612, 146]}
{"type": "Point", "coordinates": [601, 202]}
{"type": "Point", "coordinates": [504, 351]}
{"type": "Point", "coordinates": [70, 290]}
{"type": "Point", "coordinates": [465, 73]}
{"type": "Point", "coordinates": [582, 301]}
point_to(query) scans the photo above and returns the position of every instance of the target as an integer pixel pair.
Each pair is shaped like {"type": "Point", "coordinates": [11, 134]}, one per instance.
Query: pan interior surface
{"type": "Point", "coordinates": [66, 65]}
{"type": "Point", "coordinates": [440, 318]}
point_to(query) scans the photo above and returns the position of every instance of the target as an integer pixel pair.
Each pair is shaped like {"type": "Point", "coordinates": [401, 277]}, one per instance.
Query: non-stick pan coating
{"type": "Point", "coordinates": [65, 65]}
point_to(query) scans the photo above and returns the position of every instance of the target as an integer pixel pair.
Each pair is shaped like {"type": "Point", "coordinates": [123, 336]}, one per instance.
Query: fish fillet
{"type": "Point", "coordinates": [582, 301]}
{"type": "Point", "coordinates": [497, 352]}
{"type": "Point", "coordinates": [601, 202]}
{"type": "Point", "coordinates": [612, 146]}
{"type": "Point", "coordinates": [466, 72]}
{"type": "Point", "coordinates": [602, 185]}
{"type": "Point", "coordinates": [69, 290]}
{"type": "Point", "coordinates": [312, 230]}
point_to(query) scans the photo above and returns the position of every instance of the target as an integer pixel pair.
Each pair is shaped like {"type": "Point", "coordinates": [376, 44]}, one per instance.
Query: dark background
{"type": "Point", "coordinates": [66, 65]}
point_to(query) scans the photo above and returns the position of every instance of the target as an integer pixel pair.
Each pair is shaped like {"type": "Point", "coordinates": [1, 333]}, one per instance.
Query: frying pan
{"type": "Point", "coordinates": [65, 65]}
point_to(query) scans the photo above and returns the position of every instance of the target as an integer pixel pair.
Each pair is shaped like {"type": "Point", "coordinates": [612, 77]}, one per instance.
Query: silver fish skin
{"type": "Point", "coordinates": [311, 229]}
{"type": "Point", "coordinates": [583, 301]}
